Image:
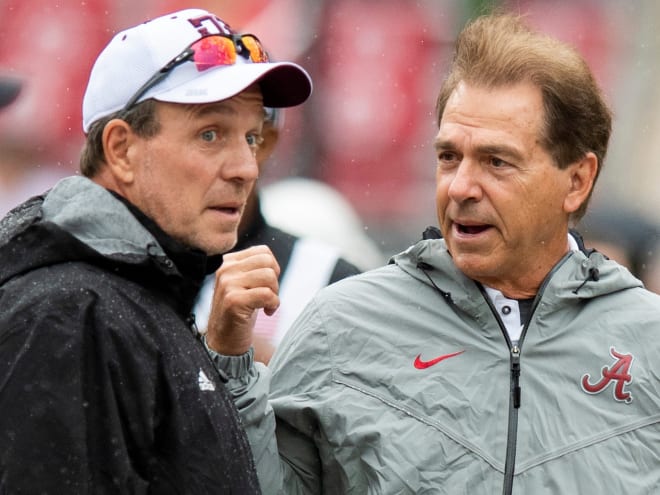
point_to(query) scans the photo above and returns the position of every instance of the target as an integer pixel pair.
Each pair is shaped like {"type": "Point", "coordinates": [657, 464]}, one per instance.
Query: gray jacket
{"type": "Point", "coordinates": [403, 380]}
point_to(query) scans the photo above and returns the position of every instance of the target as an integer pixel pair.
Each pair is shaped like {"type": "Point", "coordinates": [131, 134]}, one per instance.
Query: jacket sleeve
{"type": "Point", "coordinates": [42, 442]}
{"type": "Point", "coordinates": [59, 427]}
{"type": "Point", "coordinates": [280, 406]}
{"type": "Point", "coordinates": [248, 383]}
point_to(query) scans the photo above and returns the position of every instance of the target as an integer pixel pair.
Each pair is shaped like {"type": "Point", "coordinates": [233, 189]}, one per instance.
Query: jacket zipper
{"type": "Point", "coordinates": [192, 325]}
{"type": "Point", "coordinates": [515, 393]}
{"type": "Point", "coordinates": [512, 431]}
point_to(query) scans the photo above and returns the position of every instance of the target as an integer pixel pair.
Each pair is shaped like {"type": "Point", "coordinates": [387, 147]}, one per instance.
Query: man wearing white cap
{"type": "Point", "coordinates": [105, 386]}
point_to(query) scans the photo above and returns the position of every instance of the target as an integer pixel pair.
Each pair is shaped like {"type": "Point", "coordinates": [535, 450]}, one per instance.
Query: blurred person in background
{"type": "Point", "coordinates": [105, 385]}
{"type": "Point", "coordinates": [10, 87]}
{"type": "Point", "coordinates": [504, 357]}
{"type": "Point", "coordinates": [18, 181]}
{"type": "Point", "coordinates": [312, 208]}
{"type": "Point", "coordinates": [40, 140]}
{"type": "Point", "coordinates": [626, 236]}
{"type": "Point", "coordinates": [306, 264]}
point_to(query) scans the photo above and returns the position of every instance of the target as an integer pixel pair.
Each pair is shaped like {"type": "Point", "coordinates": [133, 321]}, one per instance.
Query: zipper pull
{"type": "Point", "coordinates": [515, 375]}
{"type": "Point", "coordinates": [192, 324]}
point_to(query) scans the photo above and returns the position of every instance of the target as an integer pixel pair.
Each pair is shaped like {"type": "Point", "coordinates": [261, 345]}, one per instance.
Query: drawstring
{"type": "Point", "coordinates": [594, 275]}
{"type": "Point", "coordinates": [445, 295]}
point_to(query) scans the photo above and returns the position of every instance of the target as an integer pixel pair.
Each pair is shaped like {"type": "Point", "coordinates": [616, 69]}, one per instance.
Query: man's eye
{"type": "Point", "coordinates": [447, 158]}
{"type": "Point", "coordinates": [209, 136]}
{"type": "Point", "coordinates": [254, 139]}
{"type": "Point", "coordinates": [497, 162]}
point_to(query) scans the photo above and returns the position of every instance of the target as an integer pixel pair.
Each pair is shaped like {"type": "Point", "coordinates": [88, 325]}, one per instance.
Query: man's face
{"type": "Point", "coordinates": [193, 178]}
{"type": "Point", "coordinates": [500, 198]}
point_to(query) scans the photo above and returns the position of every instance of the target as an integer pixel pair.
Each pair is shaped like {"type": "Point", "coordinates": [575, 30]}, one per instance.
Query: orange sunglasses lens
{"type": "Point", "coordinates": [257, 52]}
{"type": "Point", "coordinates": [213, 51]}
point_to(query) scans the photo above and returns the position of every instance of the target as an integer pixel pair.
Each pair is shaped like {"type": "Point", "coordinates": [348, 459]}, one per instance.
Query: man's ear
{"type": "Point", "coordinates": [117, 140]}
{"type": "Point", "coordinates": [271, 135]}
{"type": "Point", "coordinates": [582, 175]}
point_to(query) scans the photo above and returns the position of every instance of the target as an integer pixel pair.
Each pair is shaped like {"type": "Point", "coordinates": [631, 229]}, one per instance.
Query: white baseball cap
{"type": "Point", "coordinates": [135, 55]}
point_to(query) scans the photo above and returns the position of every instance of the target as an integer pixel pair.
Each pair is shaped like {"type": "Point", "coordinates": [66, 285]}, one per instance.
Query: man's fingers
{"type": "Point", "coordinates": [249, 259]}
{"type": "Point", "coordinates": [249, 251]}
{"type": "Point", "coordinates": [252, 268]}
{"type": "Point", "coordinates": [251, 299]}
{"type": "Point", "coordinates": [257, 277]}
{"type": "Point", "coordinates": [246, 281]}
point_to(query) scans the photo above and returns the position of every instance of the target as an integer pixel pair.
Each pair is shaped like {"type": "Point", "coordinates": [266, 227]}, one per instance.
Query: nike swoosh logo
{"type": "Point", "coordinates": [422, 365]}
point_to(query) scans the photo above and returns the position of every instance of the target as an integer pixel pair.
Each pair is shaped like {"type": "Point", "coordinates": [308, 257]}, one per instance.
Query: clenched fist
{"type": "Point", "coordinates": [245, 283]}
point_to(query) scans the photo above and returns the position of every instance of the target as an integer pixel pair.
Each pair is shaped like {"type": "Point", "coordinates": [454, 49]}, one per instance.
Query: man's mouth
{"type": "Point", "coordinates": [227, 209]}
{"type": "Point", "coordinates": [232, 210]}
{"type": "Point", "coordinates": [471, 229]}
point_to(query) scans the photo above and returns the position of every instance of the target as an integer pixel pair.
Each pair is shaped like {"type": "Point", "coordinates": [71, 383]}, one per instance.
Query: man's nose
{"type": "Point", "coordinates": [465, 182]}
{"type": "Point", "coordinates": [242, 164]}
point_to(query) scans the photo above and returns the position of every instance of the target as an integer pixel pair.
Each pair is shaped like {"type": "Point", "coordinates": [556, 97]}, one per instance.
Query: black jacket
{"type": "Point", "coordinates": [104, 388]}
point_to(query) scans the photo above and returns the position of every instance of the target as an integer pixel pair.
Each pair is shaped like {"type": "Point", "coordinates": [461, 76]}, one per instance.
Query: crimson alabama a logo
{"type": "Point", "coordinates": [618, 374]}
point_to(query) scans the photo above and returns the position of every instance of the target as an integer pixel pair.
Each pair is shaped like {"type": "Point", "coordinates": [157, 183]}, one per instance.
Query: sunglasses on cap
{"type": "Point", "coordinates": [210, 51]}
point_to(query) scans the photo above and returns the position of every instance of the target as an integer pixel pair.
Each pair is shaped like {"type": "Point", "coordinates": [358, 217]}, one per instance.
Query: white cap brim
{"type": "Point", "coordinates": [283, 84]}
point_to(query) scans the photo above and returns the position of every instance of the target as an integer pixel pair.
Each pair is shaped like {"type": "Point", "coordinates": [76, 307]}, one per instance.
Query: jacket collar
{"type": "Point", "coordinates": [580, 274]}
{"type": "Point", "coordinates": [78, 220]}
